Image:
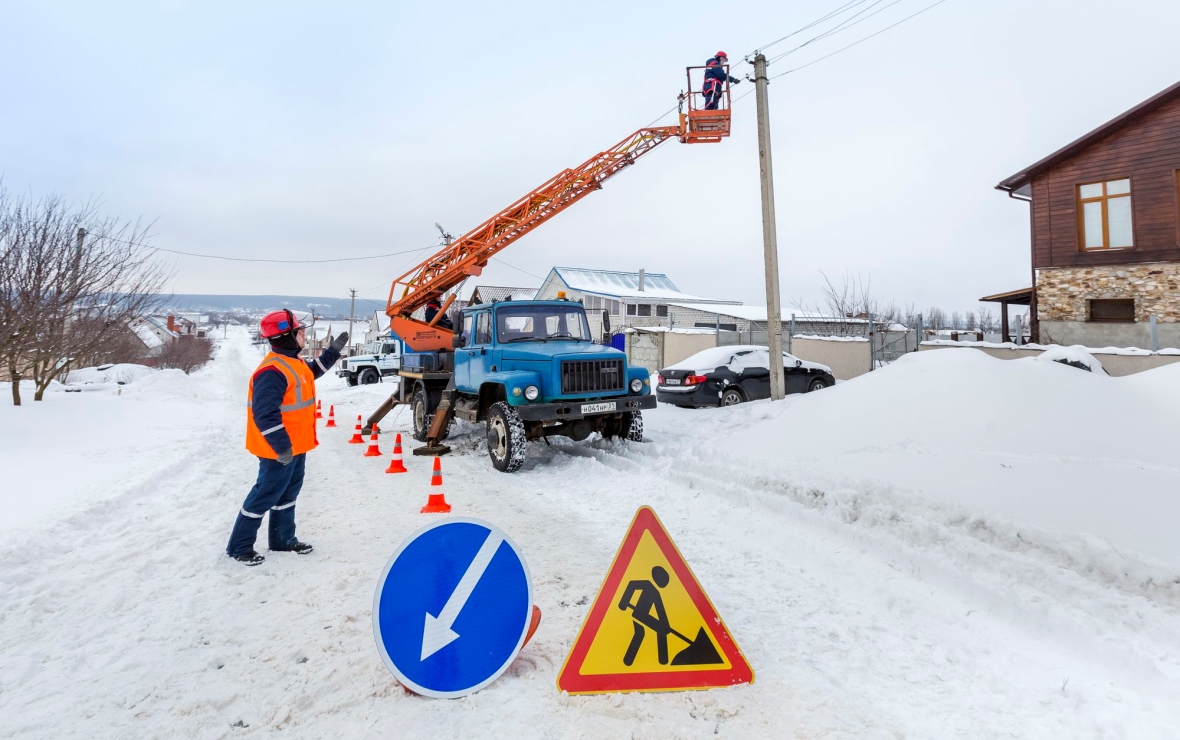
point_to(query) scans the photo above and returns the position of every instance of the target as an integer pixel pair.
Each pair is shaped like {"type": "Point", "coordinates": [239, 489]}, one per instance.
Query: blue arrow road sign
{"type": "Point", "coordinates": [452, 607]}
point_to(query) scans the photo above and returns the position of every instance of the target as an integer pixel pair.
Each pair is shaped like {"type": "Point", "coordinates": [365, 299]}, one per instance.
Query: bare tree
{"type": "Point", "coordinates": [971, 325]}
{"type": "Point", "coordinates": [71, 279]}
{"type": "Point", "coordinates": [987, 321]}
{"type": "Point", "coordinates": [956, 320]}
{"type": "Point", "coordinates": [186, 353]}
{"type": "Point", "coordinates": [936, 318]}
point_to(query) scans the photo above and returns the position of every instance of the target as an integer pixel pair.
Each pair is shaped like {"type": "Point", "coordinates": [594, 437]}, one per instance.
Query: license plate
{"type": "Point", "coordinates": [598, 408]}
{"type": "Point", "coordinates": [671, 381]}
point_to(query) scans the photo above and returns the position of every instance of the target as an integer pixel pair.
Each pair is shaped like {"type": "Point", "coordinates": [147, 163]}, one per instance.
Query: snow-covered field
{"type": "Point", "coordinates": [950, 547]}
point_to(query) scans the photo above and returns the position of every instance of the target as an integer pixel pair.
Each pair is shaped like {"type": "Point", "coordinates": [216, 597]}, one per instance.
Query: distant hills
{"type": "Point", "coordinates": [330, 308]}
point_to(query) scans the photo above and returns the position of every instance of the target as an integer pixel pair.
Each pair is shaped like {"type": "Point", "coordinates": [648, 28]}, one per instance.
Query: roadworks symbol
{"type": "Point", "coordinates": [651, 627]}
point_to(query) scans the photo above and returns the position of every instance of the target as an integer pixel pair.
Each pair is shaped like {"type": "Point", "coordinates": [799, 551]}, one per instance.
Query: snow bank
{"type": "Point", "coordinates": [120, 373]}
{"type": "Point", "coordinates": [1076, 356]}
{"type": "Point", "coordinates": [1036, 454]}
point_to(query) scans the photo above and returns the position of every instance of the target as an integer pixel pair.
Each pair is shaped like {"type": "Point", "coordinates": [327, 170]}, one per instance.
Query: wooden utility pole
{"type": "Point", "coordinates": [351, 314]}
{"type": "Point", "coordinates": [774, 319]}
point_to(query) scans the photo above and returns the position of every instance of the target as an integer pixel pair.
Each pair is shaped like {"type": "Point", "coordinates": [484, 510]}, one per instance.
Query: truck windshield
{"type": "Point", "coordinates": [541, 323]}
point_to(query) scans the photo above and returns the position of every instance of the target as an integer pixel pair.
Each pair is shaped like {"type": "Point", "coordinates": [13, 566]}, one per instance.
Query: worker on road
{"type": "Point", "coordinates": [432, 309]}
{"type": "Point", "coordinates": [715, 79]}
{"type": "Point", "coordinates": [280, 430]}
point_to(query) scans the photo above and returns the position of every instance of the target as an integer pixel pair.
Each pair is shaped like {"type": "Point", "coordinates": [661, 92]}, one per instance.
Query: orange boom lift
{"type": "Point", "coordinates": [469, 254]}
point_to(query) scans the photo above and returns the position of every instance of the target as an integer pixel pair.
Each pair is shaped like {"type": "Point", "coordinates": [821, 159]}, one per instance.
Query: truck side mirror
{"type": "Point", "coordinates": [606, 321]}
{"type": "Point", "coordinates": [458, 341]}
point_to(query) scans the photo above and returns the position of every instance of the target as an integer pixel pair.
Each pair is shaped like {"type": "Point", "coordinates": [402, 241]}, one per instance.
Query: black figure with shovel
{"type": "Point", "coordinates": [699, 651]}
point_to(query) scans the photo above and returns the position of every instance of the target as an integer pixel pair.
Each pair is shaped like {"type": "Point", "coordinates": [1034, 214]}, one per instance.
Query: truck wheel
{"type": "Point", "coordinates": [506, 438]}
{"type": "Point", "coordinates": [634, 426]}
{"type": "Point", "coordinates": [369, 376]}
{"type": "Point", "coordinates": [423, 412]}
{"type": "Point", "coordinates": [352, 379]}
{"type": "Point", "coordinates": [420, 408]}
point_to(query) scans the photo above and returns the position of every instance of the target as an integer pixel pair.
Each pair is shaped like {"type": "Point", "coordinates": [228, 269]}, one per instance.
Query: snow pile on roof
{"type": "Point", "coordinates": [1041, 443]}
{"type": "Point", "coordinates": [829, 339]}
{"type": "Point", "coordinates": [616, 284]}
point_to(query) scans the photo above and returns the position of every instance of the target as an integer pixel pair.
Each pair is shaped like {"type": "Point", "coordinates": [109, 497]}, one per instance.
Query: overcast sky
{"type": "Point", "coordinates": [308, 130]}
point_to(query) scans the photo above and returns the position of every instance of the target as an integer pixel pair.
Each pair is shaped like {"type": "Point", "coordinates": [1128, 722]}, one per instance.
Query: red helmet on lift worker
{"type": "Point", "coordinates": [715, 78]}
{"type": "Point", "coordinates": [280, 431]}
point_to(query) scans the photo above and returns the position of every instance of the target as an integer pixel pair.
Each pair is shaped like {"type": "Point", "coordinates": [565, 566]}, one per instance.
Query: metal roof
{"type": "Point", "coordinates": [493, 293]}
{"type": "Point", "coordinates": [616, 284]}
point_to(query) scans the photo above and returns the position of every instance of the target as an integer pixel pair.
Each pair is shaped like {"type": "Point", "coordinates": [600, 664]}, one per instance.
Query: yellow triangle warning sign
{"type": "Point", "coordinates": [651, 627]}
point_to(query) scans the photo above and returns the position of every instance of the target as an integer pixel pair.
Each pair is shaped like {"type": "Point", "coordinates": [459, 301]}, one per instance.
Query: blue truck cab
{"type": "Point", "coordinates": [528, 370]}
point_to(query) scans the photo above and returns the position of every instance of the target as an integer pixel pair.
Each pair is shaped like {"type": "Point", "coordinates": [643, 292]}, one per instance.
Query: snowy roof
{"type": "Point", "coordinates": [146, 335]}
{"type": "Point", "coordinates": [758, 314]}
{"type": "Point", "coordinates": [614, 284]}
{"type": "Point", "coordinates": [492, 293]}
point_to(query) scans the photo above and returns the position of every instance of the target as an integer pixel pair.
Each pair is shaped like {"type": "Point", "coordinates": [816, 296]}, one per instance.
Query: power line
{"type": "Point", "coordinates": [854, 43]}
{"type": "Point", "coordinates": [514, 267]}
{"type": "Point", "coordinates": [846, 6]}
{"type": "Point", "coordinates": [250, 259]}
{"type": "Point", "coordinates": [843, 26]}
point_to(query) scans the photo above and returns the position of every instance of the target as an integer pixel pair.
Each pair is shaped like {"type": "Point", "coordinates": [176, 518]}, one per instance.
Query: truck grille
{"type": "Point", "coordinates": [592, 376]}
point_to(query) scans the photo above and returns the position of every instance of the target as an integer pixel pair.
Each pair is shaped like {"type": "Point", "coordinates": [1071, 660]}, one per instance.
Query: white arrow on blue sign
{"type": "Point", "coordinates": [452, 608]}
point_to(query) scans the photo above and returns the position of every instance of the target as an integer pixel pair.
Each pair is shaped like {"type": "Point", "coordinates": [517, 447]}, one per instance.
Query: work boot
{"type": "Point", "coordinates": [295, 546]}
{"type": "Point", "coordinates": [248, 558]}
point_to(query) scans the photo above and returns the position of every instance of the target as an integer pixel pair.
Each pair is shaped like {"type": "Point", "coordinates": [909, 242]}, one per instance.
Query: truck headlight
{"type": "Point", "coordinates": [532, 392]}
{"type": "Point", "coordinates": [636, 385]}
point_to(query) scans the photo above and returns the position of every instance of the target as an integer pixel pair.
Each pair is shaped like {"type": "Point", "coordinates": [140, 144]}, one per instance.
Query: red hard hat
{"type": "Point", "coordinates": [721, 54]}
{"type": "Point", "coordinates": [283, 321]}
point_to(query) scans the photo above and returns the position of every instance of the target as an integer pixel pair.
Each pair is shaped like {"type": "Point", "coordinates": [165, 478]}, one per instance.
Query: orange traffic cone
{"type": "Point", "coordinates": [357, 439]}
{"type": "Point", "coordinates": [319, 409]}
{"type": "Point", "coordinates": [331, 417]}
{"type": "Point", "coordinates": [373, 450]}
{"type": "Point", "coordinates": [395, 463]}
{"type": "Point", "coordinates": [437, 503]}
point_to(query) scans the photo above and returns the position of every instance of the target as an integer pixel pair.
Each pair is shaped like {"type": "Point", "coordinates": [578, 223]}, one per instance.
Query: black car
{"type": "Point", "coordinates": [724, 376]}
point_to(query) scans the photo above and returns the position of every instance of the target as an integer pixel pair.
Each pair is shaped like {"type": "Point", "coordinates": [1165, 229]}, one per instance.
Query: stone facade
{"type": "Point", "coordinates": [1063, 293]}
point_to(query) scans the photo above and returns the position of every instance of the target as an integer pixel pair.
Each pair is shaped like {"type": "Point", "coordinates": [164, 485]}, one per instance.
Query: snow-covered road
{"type": "Point", "coordinates": [866, 610]}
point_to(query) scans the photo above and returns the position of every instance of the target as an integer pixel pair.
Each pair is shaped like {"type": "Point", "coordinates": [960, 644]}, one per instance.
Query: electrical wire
{"type": "Point", "coordinates": [832, 14]}
{"type": "Point", "coordinates": [847, 24]}
{"type": "Point", "coordinates": [251, 259]}
{"type": "Point", "coordinates": [860, 41]}
{"type": "Point", "coordinates": [514, 267]}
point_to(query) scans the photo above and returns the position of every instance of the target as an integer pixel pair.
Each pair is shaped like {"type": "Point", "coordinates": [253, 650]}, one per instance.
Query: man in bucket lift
{"type": "Point", "coordinates": [715, 79]}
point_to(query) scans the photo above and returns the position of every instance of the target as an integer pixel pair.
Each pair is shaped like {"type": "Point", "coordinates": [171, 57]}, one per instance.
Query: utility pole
{"type": "Point", "coordinates": [351, 314]}
{"type": "Point", "coordinates": [774, 319]}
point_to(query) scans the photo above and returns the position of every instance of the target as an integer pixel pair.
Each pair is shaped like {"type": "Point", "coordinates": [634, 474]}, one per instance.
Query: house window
{"type": "Point", "coordinates": [593, 302]}
{"type": "Point", "coordinates": [1104, 215]}
{"type": "Point", "coordinates": [1118, 309]}
{"type": "Point", "coordinates": [613, 306]}
{"type": "Point", "coordinates": [630, 309]}
{"type": "Point", "coordinates": [661, 310]}
{"type": "Point", "coordinates": [645, 309]}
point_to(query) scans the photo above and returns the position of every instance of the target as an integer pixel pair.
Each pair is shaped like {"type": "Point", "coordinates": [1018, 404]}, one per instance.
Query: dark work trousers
{"type": "Point", "coordinates": [276, 490]}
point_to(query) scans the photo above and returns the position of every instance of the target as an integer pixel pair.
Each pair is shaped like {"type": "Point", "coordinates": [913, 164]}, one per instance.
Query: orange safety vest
{"type": "Point", "coordinates": [298, 408]}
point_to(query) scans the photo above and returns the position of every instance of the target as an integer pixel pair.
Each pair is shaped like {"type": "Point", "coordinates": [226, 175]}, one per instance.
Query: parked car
{"type": "Point", "coordinates": [724, 376]}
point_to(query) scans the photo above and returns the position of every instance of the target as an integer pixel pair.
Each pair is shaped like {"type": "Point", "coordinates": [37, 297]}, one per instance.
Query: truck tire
{"type": "Point", "coordinates": [634, 426]}
{"type": "Point", "coordinates": [352, 379]}
{"type": "Point", "coordinates": [506, 438]}
{"type": "Point", "coordinates": [422, 406]}
{"type": "Point", "coordinates": [369, 376]}
{"type": "Point", "coordinates": [420, 410]}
